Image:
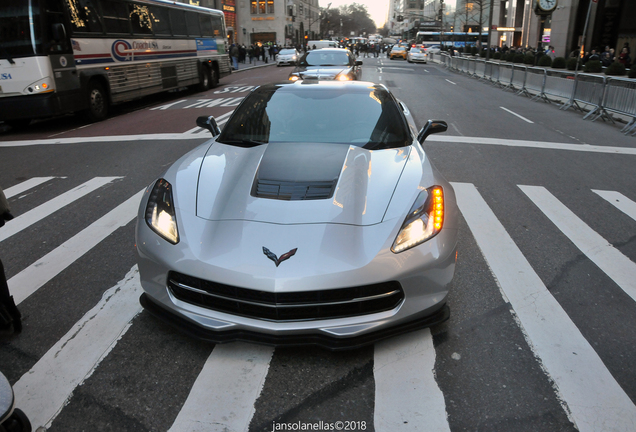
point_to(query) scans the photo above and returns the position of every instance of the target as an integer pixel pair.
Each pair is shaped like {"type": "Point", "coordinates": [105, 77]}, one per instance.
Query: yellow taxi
{"type": "Point", "coordinates": [398, 52]}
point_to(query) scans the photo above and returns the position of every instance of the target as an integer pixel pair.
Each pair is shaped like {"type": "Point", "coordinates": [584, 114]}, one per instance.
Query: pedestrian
{"type": "Point", "coordinates": [10, 317]}
{"type": "Point", "coordinates": [624, 58]}
{"type": "Point", "coordinates": [234, 53]}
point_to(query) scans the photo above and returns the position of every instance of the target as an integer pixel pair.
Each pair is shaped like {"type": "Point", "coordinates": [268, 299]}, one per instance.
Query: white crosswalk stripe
{"type": "Point", "coordinates": [407, 394]}
{"type": "Point", "coordinates": [46, 268]}
{"type": "Point", "coordinates": [42, 392]}
{"type": "Point", "coordinates": [29, 218]}
{"type": "Point", "coordinates": [591, 394]}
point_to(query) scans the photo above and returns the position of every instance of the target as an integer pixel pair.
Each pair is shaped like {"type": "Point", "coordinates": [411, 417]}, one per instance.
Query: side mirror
{"type": "Point", "coordinates": [58, 32]}
{"type": "Point", "coordinates": [210, 124]}
{"type": "Point", "coordinates": [432, 127]}
{"type": "Point", "coordinates": [358, 62]}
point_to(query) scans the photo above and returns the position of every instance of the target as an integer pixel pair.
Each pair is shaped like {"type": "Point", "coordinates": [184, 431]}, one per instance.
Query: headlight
{"type": "Point", "coordinates": [343, 77]}
{"type": "Point", "coordinates": [42, 86]}
{"type": "Point", "coordinates": [424, 220]}
{"type": "Point", "coordinates": [294, 78]}
{"type": "Point", "coordinates": [160, 214]}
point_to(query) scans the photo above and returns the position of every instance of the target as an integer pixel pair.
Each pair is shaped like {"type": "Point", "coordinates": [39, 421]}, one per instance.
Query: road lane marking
{"type": "Point", "coordinates": [406, 393]}
{"type": "Point", "coordinates": [451, 82]}
{"type": "Point", "coordinates": [614, 264]}
{"type": "Point", "coordinates": [43, 391]}
{"type": "Point", "coordinates": [619, 201]}
{"type": "Point", "coordinates": [225, 392]}
{"type": "Point", "coordinates": [515, 114]}
{"type": "Point", "coordinates": [593, 399]}
{"type": "Point", "coordinates": [167, 106]}
{"type": "Point", "coordinates": [35, 215]}
{"type": "Point", "coordinates": [46, 268]}
{"type": "Point", "coordinates": [25, 186]}
{"type": "Point", "coordinates": [431, 139]}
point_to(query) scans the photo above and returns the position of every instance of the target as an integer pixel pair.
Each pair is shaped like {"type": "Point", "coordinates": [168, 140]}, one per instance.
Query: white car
{"type": "Point", "coordinates": [315, 217]}
{"type": "Point", "coordinates": [433, 49]}
{"type": "Point", "coordinates": [417, 55]}
{"type": "Point", "coordinates": [287, 57]}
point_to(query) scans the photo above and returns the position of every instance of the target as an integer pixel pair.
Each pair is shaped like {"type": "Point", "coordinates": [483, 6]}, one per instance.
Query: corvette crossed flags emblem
{"type": "Point", "coordinates": [271, 255]}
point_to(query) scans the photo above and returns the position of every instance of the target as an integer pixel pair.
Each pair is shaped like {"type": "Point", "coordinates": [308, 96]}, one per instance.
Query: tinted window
{"type": "Point", "coordinates": [192, 20]}
{"type": "Point", "coordinates": [115, 16]}
{"type": "Point", "coordinates": [15, 33]}
{"type": "Point", "coordinates": [325, 58]}
{"type": "Point", "coordinates": [140, 19]}
{"type": "Point", "coordinates": [160, 19]}
{"type": "Point", "coordinates": [83, 16]}
{"type": "Point", "coordinates": [178, 23]}
{"type": "Point", "coordinates": [217, 26]}
{"type": "Point", "coordinates": [206, 25]}
{"type": "Point", "coordinates": [367, 117]}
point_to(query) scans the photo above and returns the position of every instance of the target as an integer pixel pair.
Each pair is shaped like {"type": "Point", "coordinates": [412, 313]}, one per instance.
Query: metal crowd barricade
{"type": "Point", "coordinates": [480, 68]}
{"type": "Point", "coordinates": [506, 73]}
{"type": "Point", "coordinates": [535, 81]}
{"type": "Point", "coordinates": [518, 81]}
{"type": "Point", "coordinates": [559, 84]}
{"type": "Point", "coordinates": [494, 72]}
{"type": "Point", "coordinates": [620, 97]}
{"type": "Point", "coordinates": [488, 71]}
{"type": "Point", "coordinates": [589, 90]}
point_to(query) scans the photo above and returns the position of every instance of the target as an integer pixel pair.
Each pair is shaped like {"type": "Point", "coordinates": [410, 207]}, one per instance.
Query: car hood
{"type": "Point", "coordinates": [321, 72]}
{"type": "Point", "coordinates": [292, 183]}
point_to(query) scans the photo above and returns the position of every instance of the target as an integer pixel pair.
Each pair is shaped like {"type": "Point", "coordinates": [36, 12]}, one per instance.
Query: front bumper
{"type": "Point", "coordinates": [321, 340]}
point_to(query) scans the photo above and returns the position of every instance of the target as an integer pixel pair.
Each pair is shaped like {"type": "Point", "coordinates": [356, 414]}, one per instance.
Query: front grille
{"type": "Point", "coordinates": [293, 191]}
{"type": "Point", "coordinates": [291, 306]}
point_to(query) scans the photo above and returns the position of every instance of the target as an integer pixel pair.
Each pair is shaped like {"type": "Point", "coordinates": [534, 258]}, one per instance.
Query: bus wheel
{"type": "Point", "coordinates": [206, 79]}
{"type": "Point", "coordinates": [97, 102]}
{"type": "Point", "coordinates": [214, 79]}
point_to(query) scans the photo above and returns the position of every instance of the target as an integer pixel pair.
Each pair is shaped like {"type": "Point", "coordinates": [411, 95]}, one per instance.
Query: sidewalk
{"type": "Point", "coordinates": [255, 64]}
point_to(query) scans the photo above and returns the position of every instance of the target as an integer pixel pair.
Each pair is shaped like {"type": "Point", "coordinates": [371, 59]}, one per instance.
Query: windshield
{"type": "Point", "coordinates": [287, 52]}
{"type": "Point", "coordinates": [365, 116]}
{"type": "Point", "coordinates": [19, 37]}
{"type": "Point", "coordinates": [325, 58]}
{"type": "Point", "coordinates": [416, 50]}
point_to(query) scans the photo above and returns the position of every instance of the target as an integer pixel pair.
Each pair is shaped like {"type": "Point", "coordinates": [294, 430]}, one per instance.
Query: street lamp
{"type": "Point", "coordinates": [319, 17]}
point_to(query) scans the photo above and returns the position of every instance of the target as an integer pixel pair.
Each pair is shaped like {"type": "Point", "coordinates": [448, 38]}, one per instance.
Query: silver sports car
{"type": "Point", "coordinates": [315, 217]}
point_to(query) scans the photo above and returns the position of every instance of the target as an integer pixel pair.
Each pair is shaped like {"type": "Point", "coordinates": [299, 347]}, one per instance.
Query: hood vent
{"type": "Point", "coordinates": [293, 191]}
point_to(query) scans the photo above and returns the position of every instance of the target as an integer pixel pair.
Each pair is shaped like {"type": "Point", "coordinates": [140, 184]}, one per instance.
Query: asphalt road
{"type": "Point", "coordinates": [541, 334]}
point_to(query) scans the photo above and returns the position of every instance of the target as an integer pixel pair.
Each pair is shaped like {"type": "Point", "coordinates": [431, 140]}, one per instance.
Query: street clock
{"type": "Point", "coordinates": [545, 7]}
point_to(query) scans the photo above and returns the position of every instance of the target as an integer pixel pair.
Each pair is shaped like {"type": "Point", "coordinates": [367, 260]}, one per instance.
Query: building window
{"type": "Point", "coordinates": [270, 6]}
{"type": "Point", "coordinates": [254, 9]}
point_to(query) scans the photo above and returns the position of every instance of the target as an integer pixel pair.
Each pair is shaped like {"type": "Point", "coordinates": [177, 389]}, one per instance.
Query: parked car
{"type": "Point", "coordinates": [417, 55]}
{"type": "Point", "coordinates": [433, 49]}
{"type": "Point", "coordinates": [315, 217]}
{"type": "Point", "coordinates": [287, 57]}
{"type": "Point", "coordinates": [327, 64]}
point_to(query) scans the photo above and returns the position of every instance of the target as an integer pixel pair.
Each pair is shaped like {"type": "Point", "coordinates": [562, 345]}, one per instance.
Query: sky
{"type": "Point", "coordinates": [378, 9]}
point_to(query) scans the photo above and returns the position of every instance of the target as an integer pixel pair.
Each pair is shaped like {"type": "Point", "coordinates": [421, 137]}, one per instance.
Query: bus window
{"type": "Point", "coordinates": [161, 22]}
{"type": "Point", "coordinates": [217, 25]}
{"type": "Point", "coordinates": [140, 19]}
{"type": "Point", "coordinates": [193, 24]}
{"type": "Point", "coordinates": [178, 23]}
{"type": "Point", "coordinates": [206, 25]}
{"type": "Point", "coordinates": [115, 17]}
{"type": "Point", "coordinates": [83, 16]}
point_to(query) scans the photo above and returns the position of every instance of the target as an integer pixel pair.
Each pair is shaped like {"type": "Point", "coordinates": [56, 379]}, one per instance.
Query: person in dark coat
{"type": "Point", "coordinates": [10, 317]}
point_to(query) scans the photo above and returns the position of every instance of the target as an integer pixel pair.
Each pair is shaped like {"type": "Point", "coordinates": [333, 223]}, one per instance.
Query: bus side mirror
{"type": "Point", "coordinates": [58, 31]}
{"type": "Point", "coordinates": [431, 127]}
{"type": "Point", "coordinates": [209, 123]}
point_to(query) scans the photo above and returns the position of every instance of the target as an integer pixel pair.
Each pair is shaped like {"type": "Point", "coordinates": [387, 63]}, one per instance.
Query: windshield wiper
{"type": "Point", "coordinates": [6, 52]}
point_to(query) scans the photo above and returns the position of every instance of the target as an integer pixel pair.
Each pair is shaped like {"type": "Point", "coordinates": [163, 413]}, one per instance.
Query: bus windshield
{"type": "Point", "coordinates": [19, 35]}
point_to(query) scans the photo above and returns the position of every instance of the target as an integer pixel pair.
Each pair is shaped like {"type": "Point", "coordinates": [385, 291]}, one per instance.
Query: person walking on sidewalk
{"type": "Point", "coordinates": [234, 53]}
{"type": "Point", "coordinates": [10, 317]}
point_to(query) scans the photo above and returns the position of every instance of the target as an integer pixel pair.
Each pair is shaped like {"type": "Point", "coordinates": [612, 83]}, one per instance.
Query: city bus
{"type": "Point", "coordinates": [448, 39]}
{"type": "Point", "coordinates": [69, 56]}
